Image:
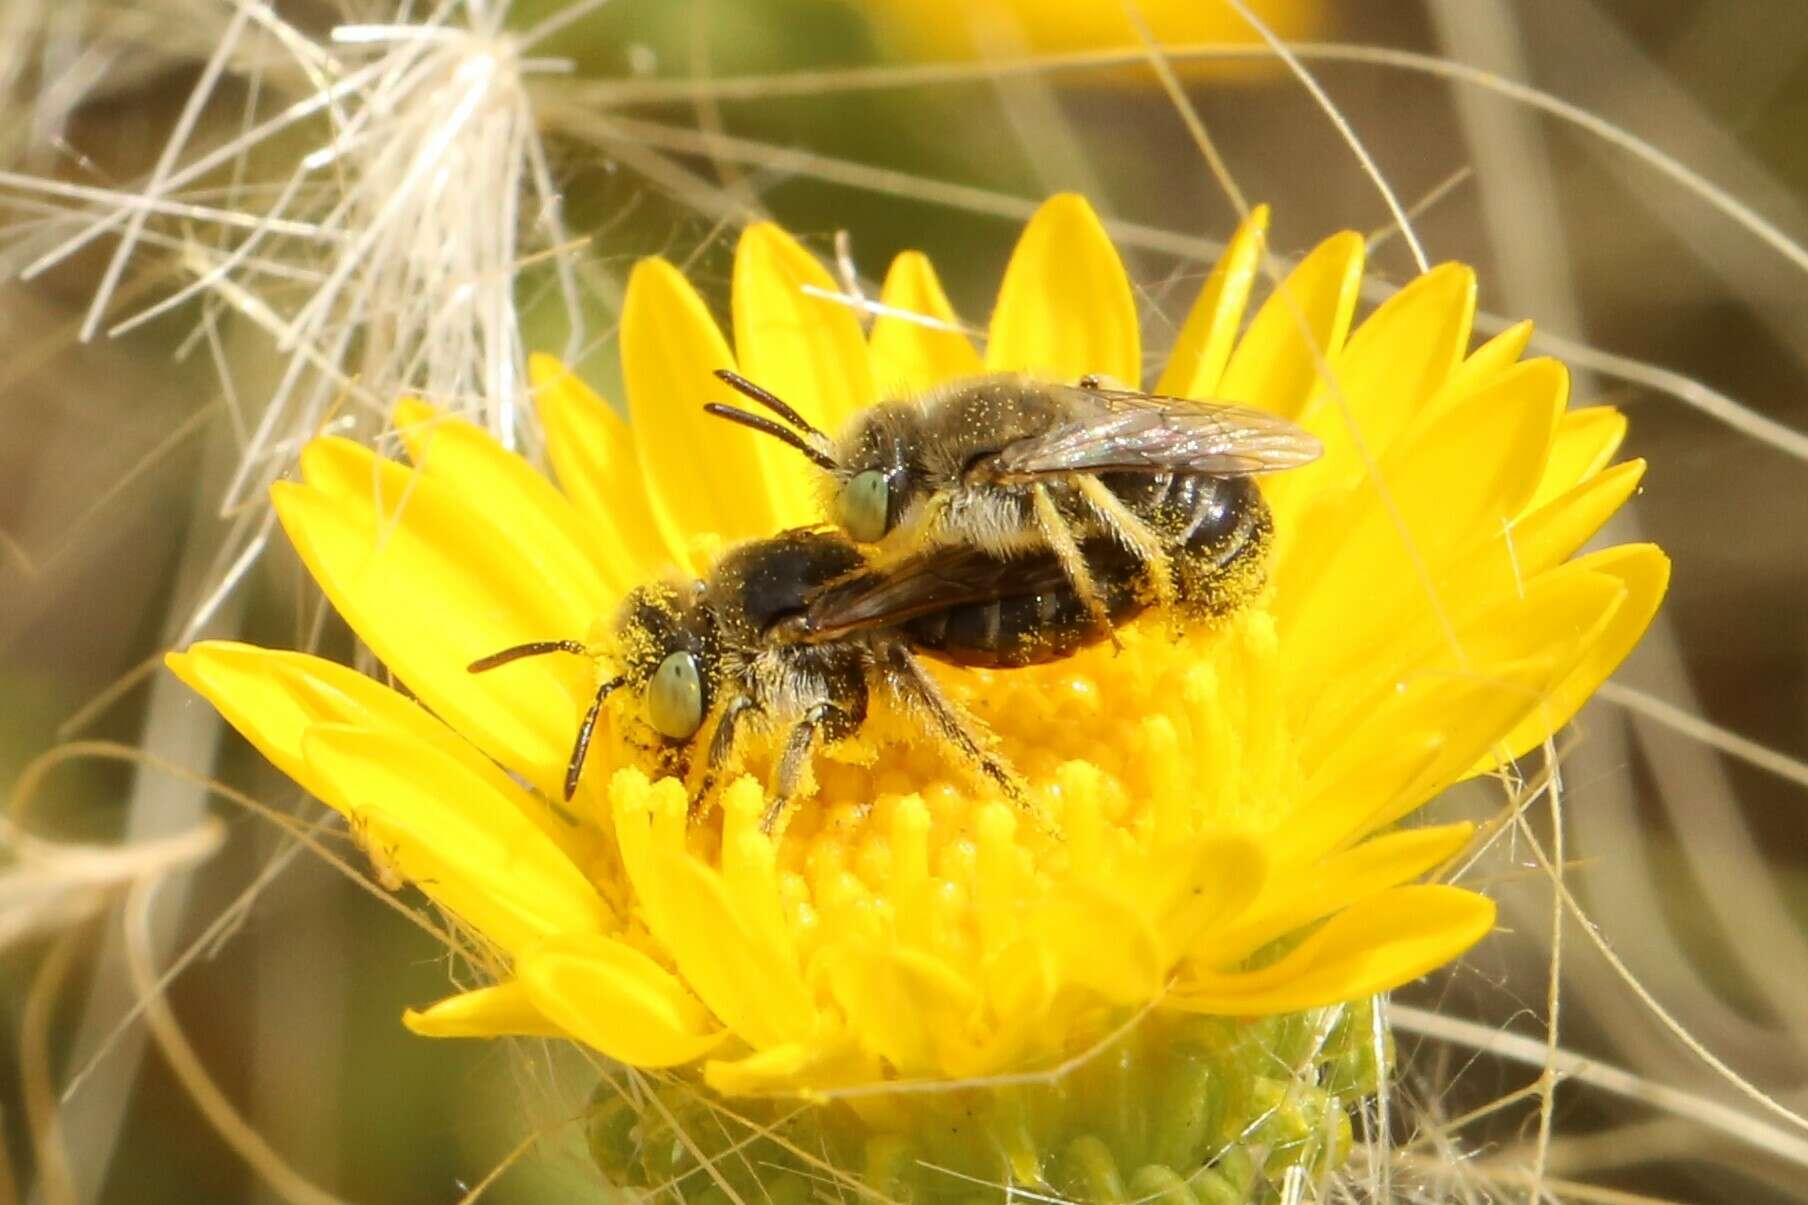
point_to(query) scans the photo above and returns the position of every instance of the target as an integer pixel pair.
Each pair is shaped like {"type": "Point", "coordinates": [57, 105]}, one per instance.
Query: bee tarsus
{"type": "Point", "coordinates": [826, 719]}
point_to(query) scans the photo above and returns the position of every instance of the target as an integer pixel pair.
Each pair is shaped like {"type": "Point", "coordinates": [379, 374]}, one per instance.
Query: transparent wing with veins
{"type": "Point", "coordinates": [1129, 432]}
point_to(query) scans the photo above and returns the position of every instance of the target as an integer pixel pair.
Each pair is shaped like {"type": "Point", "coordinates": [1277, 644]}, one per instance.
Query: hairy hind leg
{"type": "Point", "coordinates": [924, 701]}
{"type": "Point", "coordinates": [722, 745]}
{"type": "Point", "coordinates": [789, 772]}
{"type": "Point", "coordinates": [1060, 538]}
{"type": "Point", "coordinates": [1133, 534]}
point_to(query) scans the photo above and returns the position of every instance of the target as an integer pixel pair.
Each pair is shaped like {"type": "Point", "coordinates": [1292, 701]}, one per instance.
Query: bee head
{"type": "Point", "coordinates": [666, 645]}
{"type": "Point", "coordinates": [876, 466]}
{"type": "Point", "coordinates": [881, 474]}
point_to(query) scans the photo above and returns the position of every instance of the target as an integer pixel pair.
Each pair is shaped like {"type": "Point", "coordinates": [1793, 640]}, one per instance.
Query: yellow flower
{"type": "Point", "coordinates": [961, 29]}
{"type": "Point", "coordinates": [1228, 802]}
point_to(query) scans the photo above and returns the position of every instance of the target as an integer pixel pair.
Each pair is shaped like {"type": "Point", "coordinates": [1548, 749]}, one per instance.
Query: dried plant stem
{"type": "Point", "coordinates": [758, 87]}
{"type": "Point", "coordinates": [1189, 115]}
{"type": "Point", "coordinates": [1342, 125]}
{"type": "Point", "coordinates": [1540, 1188]}
{"type": "Point", "coordinates": [238, 1134]}
{"type": "Point", "coordinates": [1691, 725]}
{"type": "Point", "coordinates": [56, 1183]}
{"type": "Point", "coordinates": [515, 1155]}
{"type": "Point", "coordinates": [178, 733]}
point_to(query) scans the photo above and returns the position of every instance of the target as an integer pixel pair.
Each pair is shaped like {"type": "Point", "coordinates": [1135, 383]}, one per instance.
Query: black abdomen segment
{"type": "Point", "coordinates": [1216, 531]}
{"type": "Point", "coordinates": [1029, 629]}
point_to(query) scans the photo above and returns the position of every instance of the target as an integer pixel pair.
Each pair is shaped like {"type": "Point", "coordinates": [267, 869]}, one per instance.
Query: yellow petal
{"type": "Point", "coordinates": [273, 697]}
{"type": "Point", "coordinates": [1407, 746]}
{"type": "Point", "coordinates": [429, 517]}
{"type": "Point", "coordinates": [937, 30]}
{"type": "Point", "coordinates": [1539, 541]}
{"type": "Point", "coordinates": [1346, 879]}
{"type": "Point", "coordinates": [804, 346]}
{"type": "Point", "coordinates": [1384, 942]}
{"type": "Point", "coordinates": [1561, 613]}
{"type": "Point", "coordinates": [702, 474]}
{"type": "Point", "coordinates": [617, 1000]}
{"type": "Point", "coordinates": [1476, 581]}
{"type": "Point", "coordinates": [1227, 875]}
{"type": "Point", "coordinates": [795, 1069]}
{"type": "Point", "coordinates": [1065, 307]}
{"type": "Point", "coordinates": [592, 451]}
{"type": "Point", "coordinates": [519, 505]}
{"type": "Point", "coordinates": [503, 1010]}
{"type": "Point", "coordinates": [1454, 484]}
{"type": "Point", "coordinates": [241, 681]}
{"type": "Point", "coordinates": [1103, 945]}
{"type": "Point", "coordinates": [1560, 618]}
{"type": "Point", "coordinates": [1298, 331]}
{"type": "Point", "coordinates": [901, 1002]}
{"type": "Point", "coordinates": [1586, 440]}
{"type": "Point", "coordinates": [1490, 359]}
{"type": "Point", "coordinates": [755, 986]}
{"type": "Point", "coordinates": [1643, 572]}
{"type": "Point", "coordinates": [910, 357]}
{"type": "Point", "coordinates": [1196, 364]}
{"type": "Point", "coordinates": [1361, 779]}
{"type": "Point", "coordinates": [456, 836]}
{"type": "Point", "coordinates": [1397, 359]}
{"type": "Point", "coordinates": [429, 591]}
{"type": "Point", "coordinates": [1552, 532]}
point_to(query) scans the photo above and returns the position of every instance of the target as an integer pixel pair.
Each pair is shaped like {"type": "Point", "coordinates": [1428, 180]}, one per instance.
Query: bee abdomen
{"type": "Point", "coordinates": [1220, 555]}
{"type": "Point", "coordinates": [1028, 629]}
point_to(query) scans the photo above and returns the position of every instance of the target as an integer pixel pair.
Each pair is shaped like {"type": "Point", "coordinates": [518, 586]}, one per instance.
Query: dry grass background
{"type": "Point", "coordinates": [1630, 173]}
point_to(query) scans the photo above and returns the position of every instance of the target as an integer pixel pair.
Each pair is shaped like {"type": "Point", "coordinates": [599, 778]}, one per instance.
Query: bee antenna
{"type": "Point", "coordinates": [534, 648]}
{"type": "Point", "coordinates": [575, 770]}
{"type": "Point", "coordinates": [767, 427]}
{"type": "Point", "coordinates": [766, 398]}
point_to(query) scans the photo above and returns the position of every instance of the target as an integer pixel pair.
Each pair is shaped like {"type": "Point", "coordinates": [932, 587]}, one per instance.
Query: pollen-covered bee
{"type": "Point", "coordinates": [1007, 464]}
{"type": "Point", "coordinates": [712, 662]}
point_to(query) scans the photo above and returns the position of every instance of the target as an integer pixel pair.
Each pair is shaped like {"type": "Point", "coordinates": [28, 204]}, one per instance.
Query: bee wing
{"type": "Point", "coordinates": [929, 581]}
{"type": "Point", "coordinates": [1146, 433]}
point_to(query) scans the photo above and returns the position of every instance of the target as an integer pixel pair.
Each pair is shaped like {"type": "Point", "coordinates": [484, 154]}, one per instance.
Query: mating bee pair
{"type": "Point", "coordinates": [1011, 522]}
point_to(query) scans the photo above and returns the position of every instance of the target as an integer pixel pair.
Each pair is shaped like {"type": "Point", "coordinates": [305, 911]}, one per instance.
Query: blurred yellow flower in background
{"type": "Point", "coordinates": [1228, 802]}
{"type": "Point", "coordinates": [959, 29]}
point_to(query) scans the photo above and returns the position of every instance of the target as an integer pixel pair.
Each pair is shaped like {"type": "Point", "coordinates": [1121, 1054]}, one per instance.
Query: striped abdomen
{"type": "Point", "coordinates": [1216, 531]}
{"type": "Point", "coordinates": [1043, 625]}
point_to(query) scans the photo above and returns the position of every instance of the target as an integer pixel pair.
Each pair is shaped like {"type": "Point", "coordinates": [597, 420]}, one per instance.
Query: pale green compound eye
{"type": "Point", "coordinates": [675, 697]}
{"type": "Point", "coordinates": [864, 505]}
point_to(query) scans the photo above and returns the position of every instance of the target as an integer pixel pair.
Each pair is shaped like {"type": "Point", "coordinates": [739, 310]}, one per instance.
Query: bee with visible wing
{"type": "Point", "coordinates": [1008, 464]}
{"type": "Point", "coordinates": [735, 655]}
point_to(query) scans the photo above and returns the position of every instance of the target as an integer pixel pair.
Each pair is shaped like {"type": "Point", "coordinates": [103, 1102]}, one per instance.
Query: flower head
{"type": "Point", "coordinates": [1224, 806]}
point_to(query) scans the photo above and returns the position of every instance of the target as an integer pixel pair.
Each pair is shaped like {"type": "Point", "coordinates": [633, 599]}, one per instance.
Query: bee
{"type": "Point", "coordinates": [714, 661]}
{"type": "Point", "coordinates": [1008, 464]}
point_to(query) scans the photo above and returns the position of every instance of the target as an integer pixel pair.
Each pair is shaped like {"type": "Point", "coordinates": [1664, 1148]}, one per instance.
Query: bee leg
{"type": "Point", "coordinates": [792, 762]}
{"type": "Point", "coordinates": [722, 746]}
{"type": "Point", "coordinates": [925, 703]}
{"type": "Point", "coordinates": [1133, 534]}
{"type": "Point", "coordinates": [1060, 538]}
